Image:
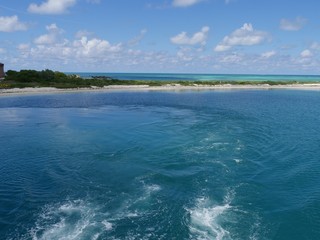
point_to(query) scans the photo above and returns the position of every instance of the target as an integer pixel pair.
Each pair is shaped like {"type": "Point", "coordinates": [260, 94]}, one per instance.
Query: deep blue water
{"type": "Point", "coordinates": [202, 77]}
{"type": "Point", "coordinates": [161, 165]}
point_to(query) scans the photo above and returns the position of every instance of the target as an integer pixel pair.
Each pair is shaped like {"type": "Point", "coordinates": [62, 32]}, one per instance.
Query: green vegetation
{"type": "Point", "coordinates": [49, 78]}
{"type": "Point", "coordinates": [45, 78]}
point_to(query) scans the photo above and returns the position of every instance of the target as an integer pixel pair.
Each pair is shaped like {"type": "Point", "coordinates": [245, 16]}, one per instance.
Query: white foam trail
{"type": "Point", "coordinates": [237, 160]}
{"type": "Point", "coordinates": [135, 206]}
{"type": "Point", "coordinates": [107, 225]}
{"type": "Point", "coordinates": [70, 221]}
{"type": "Point", "coordinates": [152, 188]}
{"type": "Point", "coordinates": [82, 220]}
{"type": "Point", "coordinates": [205, 220]}
{"type": "Point", "coordinates": [148, 191]}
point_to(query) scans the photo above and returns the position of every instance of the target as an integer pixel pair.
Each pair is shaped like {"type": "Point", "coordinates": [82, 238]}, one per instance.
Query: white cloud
{"type": "Point", "coordinates": [45, 39]}
{"type": "Point", "coordinates": [244, 36]}
{"type": "Point", "coordinates": [233, 58]}
{"type": "Point", "coordinates": [186, 54]}
{"type": "Point", "coordinates": [11, 24]}
{"type": "Point", "coordinates": [51, 6]}
{"type": "Point", "coordinates": [94, 54]}
{"type": "Point", "coordinates": [268, 54]}
{"type": "Point", "coordinates": [94, 47]}
{"type": "Point", "coordinates": [53, 48]}
{"type": "Point", "coordinates": [88, 53]}
{"type": "Point", "coordinates": [292, 25]}
{"type": "Point", "coordinates": [185, 3]}
{"type": "Point", "coordinates": [197, 38]}
{"type": "Point", "coordinates": [136, 40]}
{"type": "Point", "coordinates": [51, 37]}
{"type": "Point", "coordinates": [23, 46]}
{"type": "Point", "coordinates": [83, 33]}
{"type": "Point", "coordinates": [306, 53]}
{"type": "Point", "coordinates": [221, 48]}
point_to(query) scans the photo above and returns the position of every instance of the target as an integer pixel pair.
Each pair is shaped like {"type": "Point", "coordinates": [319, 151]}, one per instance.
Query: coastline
{"type": "Point", "coordinates": [169, 87]}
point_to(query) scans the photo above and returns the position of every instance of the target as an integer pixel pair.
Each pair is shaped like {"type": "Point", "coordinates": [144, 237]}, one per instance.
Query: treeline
{"type": "Point", "coordinates": [49, 78]}
{"type": "Point", "coordinates": [29, 76]}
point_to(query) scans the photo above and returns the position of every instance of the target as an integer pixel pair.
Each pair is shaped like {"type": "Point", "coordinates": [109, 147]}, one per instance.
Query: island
{"type": "Point", "coordinates": [31, 81]}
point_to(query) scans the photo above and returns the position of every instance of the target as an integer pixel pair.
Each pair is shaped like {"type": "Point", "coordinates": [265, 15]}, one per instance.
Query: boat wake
{"type": "Point", "coordinates": [206, 220]}
{"type": "Point", "coordinates": [81, 219]}
{"type": "Point", "coordinates": [71, 220]}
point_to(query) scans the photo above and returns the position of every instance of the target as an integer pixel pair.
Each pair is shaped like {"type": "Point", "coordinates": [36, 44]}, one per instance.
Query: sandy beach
{"type": "Point", "coordinates": [169, 87]}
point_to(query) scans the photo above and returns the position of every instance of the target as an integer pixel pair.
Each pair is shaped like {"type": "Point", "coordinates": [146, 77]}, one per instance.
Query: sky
{"type": "Point", "coordinates": [162, 36]}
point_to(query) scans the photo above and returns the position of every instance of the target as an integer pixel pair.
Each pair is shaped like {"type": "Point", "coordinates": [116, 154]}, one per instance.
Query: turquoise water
{"type": "Point", "coordinates": [161, 165]}
{"type": "Point", "coordinates": [203, 77]}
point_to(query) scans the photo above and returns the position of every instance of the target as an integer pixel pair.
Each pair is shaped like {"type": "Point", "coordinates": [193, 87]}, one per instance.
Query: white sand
{"type": "Point", "coordinates": [169, 87]}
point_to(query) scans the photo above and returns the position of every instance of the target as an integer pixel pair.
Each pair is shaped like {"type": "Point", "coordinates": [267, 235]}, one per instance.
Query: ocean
{"type": "Point", "coordinates": [233, 164]}
{"type": "Point", "coordinates": [201, 77]}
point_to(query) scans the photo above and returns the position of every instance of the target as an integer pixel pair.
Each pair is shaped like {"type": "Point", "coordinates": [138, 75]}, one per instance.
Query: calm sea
{"type": "Point", "coordinates": [161, 165]}
{"type": "Point", "coordinates": [202, 77]}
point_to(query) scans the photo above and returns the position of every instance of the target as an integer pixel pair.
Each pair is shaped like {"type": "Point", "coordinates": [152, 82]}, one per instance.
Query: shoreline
{"type": "Point", "coordinates": [169, 87]}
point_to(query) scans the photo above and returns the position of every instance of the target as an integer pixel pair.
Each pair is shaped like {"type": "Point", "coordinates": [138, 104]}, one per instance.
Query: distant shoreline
{"type": "Point", "coordinates": [168, 87]}
{"type": "Point", "coordinates": [48, 81]}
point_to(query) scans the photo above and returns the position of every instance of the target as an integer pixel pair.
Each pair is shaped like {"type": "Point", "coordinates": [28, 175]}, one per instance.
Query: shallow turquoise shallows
{"type": "Point", "coordinates": [202, 77]}
{"type": "Point", "coordinates": [161, 165]}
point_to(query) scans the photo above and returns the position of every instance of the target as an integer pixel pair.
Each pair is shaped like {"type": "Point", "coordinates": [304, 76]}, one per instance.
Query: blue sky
{"type": "Point", "coordinates": [184, 36]}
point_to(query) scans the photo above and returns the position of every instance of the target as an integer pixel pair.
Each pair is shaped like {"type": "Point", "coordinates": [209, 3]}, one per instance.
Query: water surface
{"type": "Point", "coordinates": [161, 165]}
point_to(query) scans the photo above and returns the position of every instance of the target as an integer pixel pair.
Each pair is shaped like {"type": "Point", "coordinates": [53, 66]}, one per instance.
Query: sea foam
{"type": "Point", "coordinates": [206, 218]}
{"type": "Point", "coordinates": [76, 219]}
